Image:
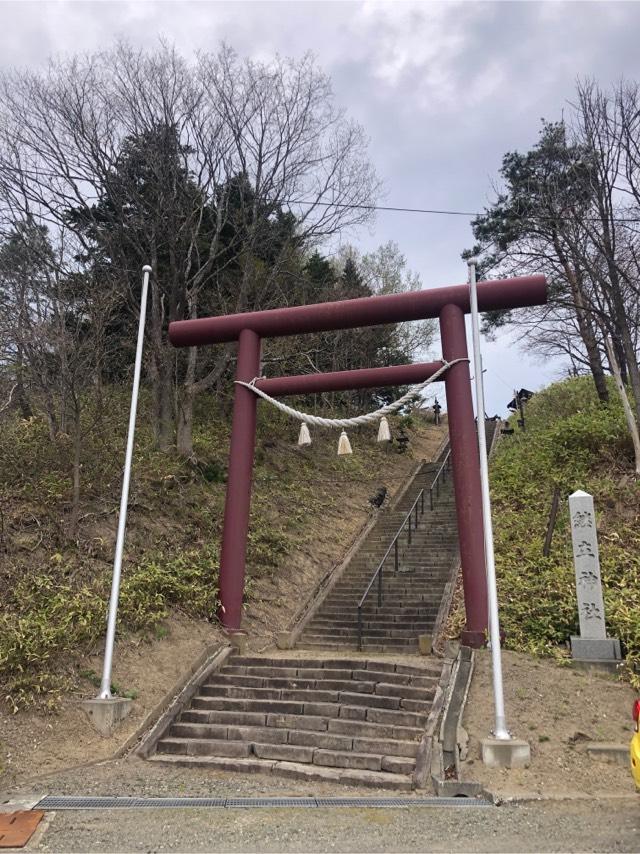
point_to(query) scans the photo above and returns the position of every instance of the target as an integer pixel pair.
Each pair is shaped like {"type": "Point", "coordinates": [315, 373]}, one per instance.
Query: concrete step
{"type": "Point", "coordinates": [397, 601]}
{"type": "Point", "coordinates": [413, 575]}
{"type": "Point", "coordinates": [391, 762]}
{"type": "Point", "coordinates": [404, 717]}
{"type": "Point", "coordinates": [401, 594]}
{"type": "Point", "coordinates": [346, 629]}
{"type": "Point", "coordinates": [407, 578]}
{"type": "Point", "coordinates": [351, 622]}
{"type": "Point", "coordinates": [326, 668]}
{"type": "Point", "coordinates": [395, 613]}
{"type": "Point", "coordinates": [297, 663]}
{"type": "Point", "coordinates": [316, 642]}
{"type": "Point", "coordinates": [293, 770]}
{"type": "Point", "coordinates": [352, 631]}
{"type": "Point", "coordinates": [350, 615]}
{"type": "Point", "coordinates": [430, 562]}
{"type": "Point", "coordinates": [295, 683]}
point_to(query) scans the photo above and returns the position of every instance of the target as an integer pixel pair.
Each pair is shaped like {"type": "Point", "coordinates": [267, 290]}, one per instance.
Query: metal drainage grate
{"type": "Point", "coordinates": [66, 802]}
{"type": "Point", "coordinates": [402, 802]}
{"type": "Point", "coordinates": [271, 802]}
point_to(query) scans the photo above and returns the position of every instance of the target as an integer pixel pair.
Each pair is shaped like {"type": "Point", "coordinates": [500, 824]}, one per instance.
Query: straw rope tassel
{"type": "Point", "coordinates": [384, 434]}
{"type": "Point", "coordinates": [344, 445]}
{"type": "Point", "coordinates": [304, 437]}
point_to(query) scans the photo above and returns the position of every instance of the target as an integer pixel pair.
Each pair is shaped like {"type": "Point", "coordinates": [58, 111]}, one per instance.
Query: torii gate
{"type": "Point", "coordinates": [449, 304]}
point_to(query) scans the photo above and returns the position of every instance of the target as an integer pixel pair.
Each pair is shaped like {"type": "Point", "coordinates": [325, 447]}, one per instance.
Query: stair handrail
{"type": "Point", "coordinates": [406, 522]}
{"type": "Point", "coordinates": [445, 466]}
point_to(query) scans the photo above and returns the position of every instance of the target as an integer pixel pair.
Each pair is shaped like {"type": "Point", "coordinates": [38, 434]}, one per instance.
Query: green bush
{"type": "Point", "coordinates": [49, 620]}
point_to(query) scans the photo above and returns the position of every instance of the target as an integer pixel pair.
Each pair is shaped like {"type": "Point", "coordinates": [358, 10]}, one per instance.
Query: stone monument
{"type": "Point", "coordinates": [592, 644]}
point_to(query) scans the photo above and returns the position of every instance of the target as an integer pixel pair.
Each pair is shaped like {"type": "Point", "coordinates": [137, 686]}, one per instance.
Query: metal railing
{"type": "Point", "coordinates": [411, 517]}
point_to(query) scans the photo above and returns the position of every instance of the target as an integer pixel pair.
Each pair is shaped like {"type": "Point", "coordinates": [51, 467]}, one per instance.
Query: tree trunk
{"type": "Point", "coordinates": [627, 344]}
{"type": "Point", "coordinates": [21, 395]}
{"type": "Point", "coordinates": [618, 349]}
{"type": "Point", "coordinates": [50, 412]}
{"type": "Point", "coordinates": [587, 332]}
{"type": "Point", "coordinates": [184, 441]}
{"type": "Point", "coordinates": [187, 395]}
{"type": "Point", "coordinates": [631, 421]}
{"type": "Point", "coordinates": [162, 407]}
{"type": "Point", "coordinates": [75, 474]}
{"type": "Point", "coordinates": [595, 363]}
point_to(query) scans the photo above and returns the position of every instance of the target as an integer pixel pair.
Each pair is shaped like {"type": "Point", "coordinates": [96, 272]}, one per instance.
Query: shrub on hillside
{"type": "Point", "coordinates": [54, 584]}
{"type": "Point", "coordinates": [573, 442]}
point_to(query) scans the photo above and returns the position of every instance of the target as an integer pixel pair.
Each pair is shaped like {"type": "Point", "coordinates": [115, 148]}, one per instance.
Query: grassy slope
{"type": "Point", "coordinates": [572, 442]}
{"type": "Point", "coordinates": [54, 583]}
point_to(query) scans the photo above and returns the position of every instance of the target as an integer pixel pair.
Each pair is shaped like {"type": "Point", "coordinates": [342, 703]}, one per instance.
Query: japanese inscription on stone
{"type": "Point", "coordinates": [587, 566]}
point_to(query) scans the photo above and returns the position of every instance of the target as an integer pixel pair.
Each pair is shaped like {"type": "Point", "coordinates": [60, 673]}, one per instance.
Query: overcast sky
{"type": "Point", "coordinates": [442, 89]}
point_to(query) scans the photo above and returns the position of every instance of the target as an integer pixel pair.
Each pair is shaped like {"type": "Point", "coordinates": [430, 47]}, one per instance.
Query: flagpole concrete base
{"type": "Point", "coordinates": [106, 714]}
{"type": "Point", "coordinates": [505, 753]}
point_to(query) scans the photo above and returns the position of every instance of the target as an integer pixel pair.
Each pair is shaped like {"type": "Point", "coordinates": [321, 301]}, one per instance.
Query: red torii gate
{"type": "Point", "coordinates": [449, 304]}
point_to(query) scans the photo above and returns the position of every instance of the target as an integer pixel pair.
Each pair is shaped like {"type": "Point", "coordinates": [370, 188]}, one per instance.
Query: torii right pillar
{"type": "Point", "coordinates": [466, 474]}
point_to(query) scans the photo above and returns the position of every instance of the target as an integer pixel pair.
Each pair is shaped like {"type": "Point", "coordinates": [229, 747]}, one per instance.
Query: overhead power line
{"type": "Point", "coordinates": [384, 208]}
{"type": "Point", "coordinates": [442, 212]}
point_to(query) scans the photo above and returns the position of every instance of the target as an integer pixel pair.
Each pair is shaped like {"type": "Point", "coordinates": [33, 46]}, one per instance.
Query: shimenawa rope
{"type": "Point", "coordinates": [348, 422]}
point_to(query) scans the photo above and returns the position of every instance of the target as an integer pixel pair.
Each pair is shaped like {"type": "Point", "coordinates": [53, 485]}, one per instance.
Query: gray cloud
{"type": "Point", "coordinates": [443, 90]}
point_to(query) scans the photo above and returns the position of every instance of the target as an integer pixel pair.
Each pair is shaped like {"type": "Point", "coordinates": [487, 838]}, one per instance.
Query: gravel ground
{"type": "Point", "coordinates": [540, 827]}
{"type": "Point", "coordinates": [572, 825]}
{"type": "Point", "coordinates": [133, 776]}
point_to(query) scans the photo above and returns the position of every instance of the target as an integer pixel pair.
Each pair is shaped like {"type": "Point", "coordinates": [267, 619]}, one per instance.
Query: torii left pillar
{"type": "Point", "coordinates": [238, 501]}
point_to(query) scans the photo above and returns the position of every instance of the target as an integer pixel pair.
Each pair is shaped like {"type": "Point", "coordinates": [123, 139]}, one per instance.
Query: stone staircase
{"type": "Point", "coordinates": [326, 711]}
{"type": "Point", "coordinates": [410, 597]}
{"type": "Point", "coordinates": [358, 721]}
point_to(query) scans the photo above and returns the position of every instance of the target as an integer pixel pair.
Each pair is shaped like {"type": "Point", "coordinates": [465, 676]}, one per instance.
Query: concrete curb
{"type": "Point", "coordinates": [178, 698]}
{"type": "Point", "coordinates": [607, 751]}
{"type": "Point", "coordinates": [425, 756]}
{"type": "Point", "coordinates": [499, 800]}
{"type": "Point", "coordinates": [445, 604]}
{"type": "Point", "coordinates": [446, 746]}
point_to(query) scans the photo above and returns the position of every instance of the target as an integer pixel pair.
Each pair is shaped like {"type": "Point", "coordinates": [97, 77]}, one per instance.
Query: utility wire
{"type": "Point", "coordinates": [443, 212]}
{"type": "Point", "coordinates": [384, 208]}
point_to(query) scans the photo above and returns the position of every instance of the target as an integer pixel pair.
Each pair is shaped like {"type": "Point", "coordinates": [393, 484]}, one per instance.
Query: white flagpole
{"type": "Point", "coordinates": [105, 684]}
{"type": "Point", "coordinates": [500, 731]}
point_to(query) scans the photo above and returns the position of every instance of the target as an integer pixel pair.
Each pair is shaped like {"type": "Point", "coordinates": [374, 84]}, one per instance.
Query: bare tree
{"type": "Point", "coordinates": [385, 270]}
{"type": "Point", "coordinates": [598, 127]}
{"type": "Point", "coordinates": [628, 413]}
{"type": "Point", "coordinates": [194, 168]}
{"type": "Point", "coordinates": [53, 329]}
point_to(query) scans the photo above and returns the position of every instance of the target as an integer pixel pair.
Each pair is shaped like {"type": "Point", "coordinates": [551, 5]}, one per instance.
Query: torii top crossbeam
{"type": "Point", "coordinates": [449, 304]}
{"type": "Point", "coordinates": [364, 311]}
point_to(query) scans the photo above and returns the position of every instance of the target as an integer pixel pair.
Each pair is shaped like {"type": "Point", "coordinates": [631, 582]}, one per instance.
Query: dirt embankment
{"type": "Point", "coordinates": [34, 743]}
{"type": "Point", "coordinates": [557, 709]}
